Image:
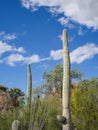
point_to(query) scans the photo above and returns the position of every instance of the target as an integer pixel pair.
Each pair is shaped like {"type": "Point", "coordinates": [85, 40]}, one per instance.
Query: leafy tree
{"type": "Point", "coordinates": [76, 74]}
{"type": "Point", "coordinates": [3, 88]}
{"type": "Point", "coordinates": [84, 105]}
{"type": "Point", "coordinates": [5, 103]}
{"type": "Point", "coordinates": [16, 95]}
{"type": "Point", "coordinates": [53, 80]}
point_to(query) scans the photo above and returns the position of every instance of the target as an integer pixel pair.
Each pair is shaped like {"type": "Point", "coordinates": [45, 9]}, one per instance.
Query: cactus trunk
{"type": "Point", "coordinates": [66, 82]}
{"type": "Point", "coordinates": [29, 88]}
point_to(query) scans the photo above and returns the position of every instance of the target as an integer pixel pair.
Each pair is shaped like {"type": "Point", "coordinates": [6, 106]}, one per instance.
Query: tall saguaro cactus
{"type": "Point", "coordinates": [29, 87]}
{"type": "Point", "coordinates": [66, 82]}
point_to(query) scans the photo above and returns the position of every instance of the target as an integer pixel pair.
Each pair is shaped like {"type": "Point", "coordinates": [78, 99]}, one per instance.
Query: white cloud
{"type": "Point", "coordinates": [83, 53]}
{"type": "Point", "coordinates": [10, 36]}
{"type": "Point", "coordinates": [44, 66]}
{"type": "Point", "coordinates": [78, 55]}
{"type": "Point", "coordinates": [60, 37]}
{"type": "Point", "coordinates": [32, 59]}
{"type": "Point", "coordinates": [56, 55]}
{"type": "Point", "coordinates": [84, 12]}
{"type": "Point", "coordinates": [16, 55]}
{"type": "Point", "coordinates": [13, 59]}
{"type": "Point", "coordinates": [66, 22]}
{"type": "Point", "coordinates": [71, 38]}
{"type": "Point", "coordinates": [81, 32]}
{"type": "Point", "coordinates": [4, 47]}
{"type": "Point", "coordinates": [7, 36]}
{"type": "Point", "coordinates": [20, 49]}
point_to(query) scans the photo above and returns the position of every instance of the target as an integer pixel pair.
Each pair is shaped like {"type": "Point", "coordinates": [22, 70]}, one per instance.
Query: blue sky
{"type": "Point", "coordinates": [30, 32]}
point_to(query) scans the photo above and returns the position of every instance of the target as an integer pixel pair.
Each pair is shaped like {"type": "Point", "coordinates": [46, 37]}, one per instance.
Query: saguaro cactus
{"type": "Point", "coordinates": [66, 82]}
{"type": "Point", "coordinates": [16, 125]}
{"type": "Point", "coordinates": [29, 87]}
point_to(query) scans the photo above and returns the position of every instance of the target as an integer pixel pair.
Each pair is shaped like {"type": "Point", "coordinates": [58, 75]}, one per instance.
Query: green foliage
{"type": "Point", "coordinates": [7, 118]}
{"type": "Point", "coordinates": [53, 105]}
{"type": "Point", "coordinates": [44, 110]}
{"type": "Point", "coordinates": [85, 107]}
{"type": "Point", "coordinates": [43, 114]}
{"type": "Point", "coordinates": [3, 88]}
{"type": "Point", "coordinates": [16, 96]}
{"type": "Point", "coordinates": [54, 79]}
{"type": "Point", "coordinates": [76, 74]}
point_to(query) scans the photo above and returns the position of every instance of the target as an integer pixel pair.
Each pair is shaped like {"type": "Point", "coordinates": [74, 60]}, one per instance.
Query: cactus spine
{"type": "Point", "coordinates": [16, 125]}
{"type": "Point", "coordinates": [66, 82]}
{"type": "Point", "coordinates": [29, 88]}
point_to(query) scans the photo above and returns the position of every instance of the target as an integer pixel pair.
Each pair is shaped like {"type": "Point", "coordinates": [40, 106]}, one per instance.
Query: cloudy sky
{"type": "Point", "coordinates": [31, 33]}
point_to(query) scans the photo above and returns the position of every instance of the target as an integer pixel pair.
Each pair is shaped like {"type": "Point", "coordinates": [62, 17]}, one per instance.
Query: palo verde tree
{"type": "Point", "coordinates": [54, 79]}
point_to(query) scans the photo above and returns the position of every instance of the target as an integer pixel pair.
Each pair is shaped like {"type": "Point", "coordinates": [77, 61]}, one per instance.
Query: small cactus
{"type": "Point", "coordinates": [16, 125]}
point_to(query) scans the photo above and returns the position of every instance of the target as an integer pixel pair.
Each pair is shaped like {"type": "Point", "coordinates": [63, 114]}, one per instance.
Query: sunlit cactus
{"type": "Point", "coordinates": [66, 82]}
{"type": "Point", "coordinates": [29, 87]}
